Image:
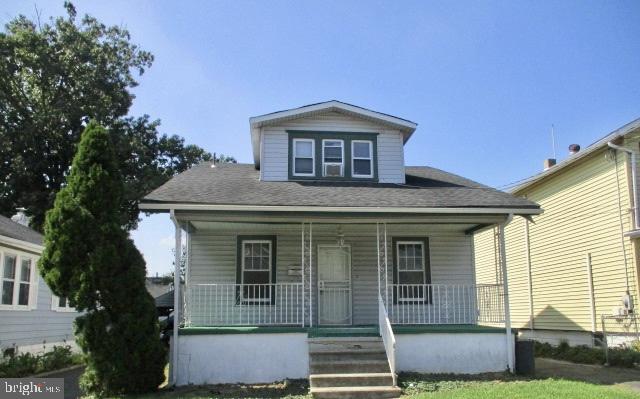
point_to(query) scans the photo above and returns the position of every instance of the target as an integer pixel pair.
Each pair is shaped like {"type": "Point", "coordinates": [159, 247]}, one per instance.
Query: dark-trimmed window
{"type": "Point", "coordinates": [332, 158]}
{"type": "Point", "coordinates": [256, 266]}
{"type": "Point", "coordinates": [411, 270]}
{"type": "Point", "coordinates": [303, 157]}
{"type": "Point", "coordinates": [362, 158]}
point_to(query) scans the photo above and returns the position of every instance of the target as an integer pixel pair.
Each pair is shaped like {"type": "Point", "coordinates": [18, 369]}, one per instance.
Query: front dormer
{"type": "Point", "coordinates": [330, 141]}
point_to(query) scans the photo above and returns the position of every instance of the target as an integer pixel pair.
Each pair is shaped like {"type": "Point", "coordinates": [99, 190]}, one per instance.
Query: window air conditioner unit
{"type": "Point", "coordinates": [333, 170]}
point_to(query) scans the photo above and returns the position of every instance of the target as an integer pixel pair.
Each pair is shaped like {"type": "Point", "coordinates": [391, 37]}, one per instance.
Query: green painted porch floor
{"type": "Point", "coordinates": [348, 331]}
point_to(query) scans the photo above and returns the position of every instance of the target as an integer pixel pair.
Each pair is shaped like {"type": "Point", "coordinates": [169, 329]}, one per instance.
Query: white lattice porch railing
{"type": "Point", "coordinates": [245, 304]}
{"type": "Point", "coordinates": [446, 304]}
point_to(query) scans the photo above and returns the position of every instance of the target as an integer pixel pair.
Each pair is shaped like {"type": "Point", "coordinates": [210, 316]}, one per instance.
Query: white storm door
{"type": "Point", "coordinates": [334, 285]}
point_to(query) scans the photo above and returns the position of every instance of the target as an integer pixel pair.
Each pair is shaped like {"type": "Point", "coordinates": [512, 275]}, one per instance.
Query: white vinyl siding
{"type": "Point", "coordinates": [275, 145]}
{"type": "Point", "coordinates": [213, 258]}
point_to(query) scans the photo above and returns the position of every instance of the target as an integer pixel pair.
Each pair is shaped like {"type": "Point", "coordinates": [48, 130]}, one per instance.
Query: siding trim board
{"type": "Point", "coordinates": [347, 138]}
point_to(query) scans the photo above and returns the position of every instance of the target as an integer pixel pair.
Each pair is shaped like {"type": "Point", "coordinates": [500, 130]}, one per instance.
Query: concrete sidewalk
{"type": "Point", "coordinates": [71, 381]}
{"type": "Point", "coordinates": [596, 374]}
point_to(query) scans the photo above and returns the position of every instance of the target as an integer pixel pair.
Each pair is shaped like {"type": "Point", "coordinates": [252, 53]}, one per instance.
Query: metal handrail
{"type": "Point", "coordinates": [388, 338]}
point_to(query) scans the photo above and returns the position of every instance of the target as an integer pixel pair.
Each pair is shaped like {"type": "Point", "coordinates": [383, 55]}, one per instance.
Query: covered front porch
{"type": "Point", "coordinates": [286, 281]}
{"type": "Point", "coordinates": [321, 272]}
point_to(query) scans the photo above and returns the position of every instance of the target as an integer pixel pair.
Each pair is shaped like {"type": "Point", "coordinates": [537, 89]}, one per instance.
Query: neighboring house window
{"type": "Point", "coordinates": [8, 279]}
{"type": "Point", "coordinates": [303, 157]}
{"type": "Point", "coordinates": [25, 281]}
{"type": "Point", "coordinates": [333, 158]}
{"type": "Point", "coordinates": [411, 270]}
{"type": "Point", "coordinates": [362, 158]}
{"type": "Point", "coordinates": [256, 269]}
{"type": "Point", "coordinates": [61, 304]}
{"type": "Point", "coordinates": [16, 290]}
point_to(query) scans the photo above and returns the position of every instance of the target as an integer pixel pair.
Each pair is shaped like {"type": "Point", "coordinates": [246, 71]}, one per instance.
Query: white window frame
{"type": "Point", "coordinates": [422, 298]}
{"type": "Point", "coordinates": [55, 305]}
{"type": "Point", "coordinates": [354, 158]}
{"type": "Point", "coordinates": [333, 163]}
{"type": "Point", "coordinates": [248, 300]}
{"type": "Point", "coordinates": [313, 157]}
{"type": "Point", "coordinates": [17, 281]}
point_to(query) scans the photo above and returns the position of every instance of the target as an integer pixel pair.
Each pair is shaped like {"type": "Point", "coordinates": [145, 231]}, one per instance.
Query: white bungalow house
{"type": "Point", "coordinates": [32, 319]}
{"type": "Point", "coordinates": [329, 259]}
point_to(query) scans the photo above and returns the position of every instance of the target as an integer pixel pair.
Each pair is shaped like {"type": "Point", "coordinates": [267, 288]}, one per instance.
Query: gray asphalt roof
{"type": "Point", "coordinates": [9, 228]}
{"type": "Point", "coordinates": [239, 184]}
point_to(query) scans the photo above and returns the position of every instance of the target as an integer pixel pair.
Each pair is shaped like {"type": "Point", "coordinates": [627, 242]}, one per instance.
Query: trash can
{"type": "Point", "coordinates": [525, 357]}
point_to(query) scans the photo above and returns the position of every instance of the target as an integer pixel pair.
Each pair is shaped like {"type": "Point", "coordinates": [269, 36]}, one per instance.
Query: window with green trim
{"type": "Point", "coordinates": [362, 158]}
{"type": "Point", "coordinates": [256, 269]}
{"type": "Point", "coordinates": [411, 270]}
{"type": "Point", "coordinates": [332, 158]}
{"type": "Point", "coordinates": [303, 157]}
{"type": "Point", "coordinates": [332, 155]}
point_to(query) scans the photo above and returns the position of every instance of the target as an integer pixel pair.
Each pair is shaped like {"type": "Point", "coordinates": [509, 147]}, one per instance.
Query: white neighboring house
{"type": "Point", "coordinates": [32, 319]}
{"type": "Point", "coordinates": [329, 259]}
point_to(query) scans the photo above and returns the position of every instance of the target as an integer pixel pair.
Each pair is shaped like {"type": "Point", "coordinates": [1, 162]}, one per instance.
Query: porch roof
{"type": "Point", "coordinates": [239, 184]}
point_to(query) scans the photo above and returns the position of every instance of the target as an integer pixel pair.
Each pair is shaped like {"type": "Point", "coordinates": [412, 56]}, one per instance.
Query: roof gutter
{"type": "Point", "coordinates": [636, 209]}
{"type": "Point", "coordinates": [20, 244]}
{"type": "Point", "coordinates": [163, 207]}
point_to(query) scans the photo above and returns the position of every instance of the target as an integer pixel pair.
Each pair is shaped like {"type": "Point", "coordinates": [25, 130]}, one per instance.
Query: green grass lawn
{"type": "Point", "coordinates": [547, 389]}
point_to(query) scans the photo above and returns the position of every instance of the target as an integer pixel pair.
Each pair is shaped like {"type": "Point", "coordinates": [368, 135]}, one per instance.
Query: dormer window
{"type": "Point", "coordinates": [362, 158]}
{"type": "Point", "coordinates": [333, 158]}
{"type": "Point", "coordinates": [303, 157]}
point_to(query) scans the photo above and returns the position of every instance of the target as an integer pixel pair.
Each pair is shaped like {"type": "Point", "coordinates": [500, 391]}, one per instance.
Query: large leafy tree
{"type": "Point", "coordinates": [54, 78]}
{"type": "Point", "coordinates": [90, 259]}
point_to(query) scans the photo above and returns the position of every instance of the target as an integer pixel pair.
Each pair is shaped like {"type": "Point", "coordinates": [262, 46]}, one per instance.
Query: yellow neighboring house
{"type": "Point", "coordinates": [578, 260]}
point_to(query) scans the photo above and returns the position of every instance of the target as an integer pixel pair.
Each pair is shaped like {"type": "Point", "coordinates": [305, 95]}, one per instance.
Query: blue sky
{"type": "Point", "coordinates": [484, 80]}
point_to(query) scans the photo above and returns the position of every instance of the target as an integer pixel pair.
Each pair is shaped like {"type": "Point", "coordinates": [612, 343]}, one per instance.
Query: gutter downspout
{"type": "Point", "coordinates": [505, 282]}
{"type": "Point", "coordinates": [636, 208]}
{"type": "Point", "coordinates": [527, 246]}
{"type": "Point", "coordinates": [592, 298]}
{"type": "Point", "coordinates": [176, 300]}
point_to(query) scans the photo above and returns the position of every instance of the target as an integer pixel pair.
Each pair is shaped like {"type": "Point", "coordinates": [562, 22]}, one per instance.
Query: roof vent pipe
{"type": "Point", "coordinates": [634, 182]}
{"type": "Point", "coordinates": [548, 163]}
{"type": "Point", "coordinates": [574, 149]}
{"type": "Point", "coordinates": [21, 217]}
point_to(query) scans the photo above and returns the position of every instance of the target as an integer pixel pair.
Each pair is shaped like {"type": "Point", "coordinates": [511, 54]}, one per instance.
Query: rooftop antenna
{"type": "Point", "coordinates": [553, 141]}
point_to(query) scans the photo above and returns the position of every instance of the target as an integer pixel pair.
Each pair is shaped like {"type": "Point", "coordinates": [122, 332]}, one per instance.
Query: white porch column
{"type": "Point", "coordinates": [173, 366]}
{"type": "Point", "coordinates": [507, 313]}
{"type": "Point", "coordinates": [307, 273]}
{"type": "Point", "coordinates": [381, 241]}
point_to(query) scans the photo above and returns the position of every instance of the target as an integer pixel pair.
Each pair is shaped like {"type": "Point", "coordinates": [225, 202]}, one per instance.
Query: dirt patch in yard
{"type": "Point", "coordinates": [284, 389]}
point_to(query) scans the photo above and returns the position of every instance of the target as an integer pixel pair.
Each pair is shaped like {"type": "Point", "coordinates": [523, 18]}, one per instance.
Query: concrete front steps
{"type": "Point", "coordinates": [350, 367]}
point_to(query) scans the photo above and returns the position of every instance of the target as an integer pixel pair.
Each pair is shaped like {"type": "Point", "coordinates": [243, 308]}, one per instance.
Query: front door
{"type": "Point", "coordinates": [334, 285]}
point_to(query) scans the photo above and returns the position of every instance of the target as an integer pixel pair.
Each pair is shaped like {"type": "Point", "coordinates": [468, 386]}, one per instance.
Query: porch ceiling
{"type": "Point", "coordinates": [370, 227]}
